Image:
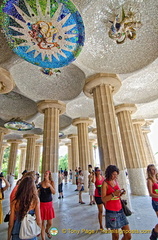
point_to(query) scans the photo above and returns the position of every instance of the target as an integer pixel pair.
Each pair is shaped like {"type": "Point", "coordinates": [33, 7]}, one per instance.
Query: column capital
{"type": "Point", "coordinates": [5, 144]}
{"type": "Point", "coordinates": [99, 79]}
{"type": "Point", "coordinates": [23, 146]}
{"type": "Point", "coordinates": [18, 141]}
{"type": "Point", "coordinates": [94, 131]}
{"type": "Point", "coordinates": [31, 136]}
{"type": "Point", "coordinates": [6, 81]}
{"type": "Point", "coordinates": [138, 121]}
{"type": "Point", "coordinates": [39, 144]}
{"type": "Point", "coordinates": [77, 121]}
{"type": "Point", "coordinates": [148, 123]}
{"type": "Point", "coordinates": [92, 140]}
{"type": "Point", "coordinates": [145, 130]}
{"type": "Point", "coordinates": [126, 107]}
{"type": "Point", "coordinates": [4, 130]}
{"type": "Point", "coordinates": [72, 136]}
{"type": "Point", "coordinates": [68, 144]}
{"type": "Point", "coordinates": [42, 105]}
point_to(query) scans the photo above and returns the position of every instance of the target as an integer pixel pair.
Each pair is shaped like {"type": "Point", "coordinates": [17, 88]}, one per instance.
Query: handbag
{"type": "Point", "coordinates": [7, 216]}
{"type": "Point", "coordinates": [29, 228]}
{"type": "Point", "coordinates": [126, 210]}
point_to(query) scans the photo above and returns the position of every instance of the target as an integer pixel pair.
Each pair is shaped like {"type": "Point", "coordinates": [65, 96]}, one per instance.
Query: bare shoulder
{"type": "Point", "coordinates": [104, 184]}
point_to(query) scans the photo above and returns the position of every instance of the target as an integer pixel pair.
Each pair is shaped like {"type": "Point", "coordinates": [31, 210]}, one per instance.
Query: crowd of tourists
{"type": "Point", "coordinates": [31, 199]}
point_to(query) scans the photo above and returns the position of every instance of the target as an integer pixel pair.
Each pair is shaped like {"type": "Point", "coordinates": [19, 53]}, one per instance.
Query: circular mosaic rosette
{"type": "Point", "coordinates": [46, 33]}
{"type": "Point", "coordinates": [19, 125]}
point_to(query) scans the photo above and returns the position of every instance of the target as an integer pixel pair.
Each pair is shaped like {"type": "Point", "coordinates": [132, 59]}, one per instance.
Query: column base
{"type": "Point", "coordinates": [73, 177]}
{"type": "Point", "coordinates": [137, 181]}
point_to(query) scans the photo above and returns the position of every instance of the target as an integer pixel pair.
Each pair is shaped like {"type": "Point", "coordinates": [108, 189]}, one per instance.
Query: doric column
{"type": "Point", "coordinates": [74, 154]}
{"type": "Point", "coordinates": [30, 151]}
{"type": "Point", "coordinates": [138, 123]}
{"type": "Point", "coordinates": [91, 150]}
{"type": "Point", "coordinates": [37, 156]}
{"type": "Point", "coordinates": [83, 145]}
{"type": "Point", "coordinates": [146, 129]}
{"type": "Point", "coordinates": [3, 131]}
{"type": "Point", "coordinates": [51, 110]}
{"type": "Point", "coordinates": [69, 156]}
{"type": "Point", "coordinates": [101, 87]}
{"type": "Point", "coordinates": [134, 167]}
{"type": "Point", "coordinates": [22, 160]}
{"type": "Point", "coordinates": [13, 154]}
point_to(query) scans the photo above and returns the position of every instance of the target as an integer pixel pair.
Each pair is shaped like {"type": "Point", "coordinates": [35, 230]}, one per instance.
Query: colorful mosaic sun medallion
{"type": "Point", "coordinates": [19, 125]}
{"type": "Point", "coordinates": [47, 33]}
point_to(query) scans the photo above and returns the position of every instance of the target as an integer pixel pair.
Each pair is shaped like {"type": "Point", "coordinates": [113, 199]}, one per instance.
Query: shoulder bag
{"type": "Point", "coordinates": [29, 228]}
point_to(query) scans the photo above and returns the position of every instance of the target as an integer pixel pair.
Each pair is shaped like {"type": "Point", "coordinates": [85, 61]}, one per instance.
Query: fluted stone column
{"type": "Point", "coordinates": [138, 123]}
{"type": "Point", "coordinates": [134, 166]}
{"type": "Point", "coordinates": [83, 145]}
{"type": "Point", "coordinates": [91, 149]}
{"type": "Point", "coordinates": [3, 131]}
{"type": "Point", "coordinates": [13, 154]}
{"type": "Point", "coordinates": [150, 156]}
{"type": "Point", "coordinates": [30, 151]}
{"type": "Point", "coordinates": [69, 156]}
{"type": "Point", "coordinates": [74, 154]}
{"type": "Point", "coordinates": [101, 87]}
{"type": "Point", "coordinates": [51, 110]}
{"type": "Point", "coordinates": [37, 156]}
{"type": "Point", "coordinates": [22, 160]}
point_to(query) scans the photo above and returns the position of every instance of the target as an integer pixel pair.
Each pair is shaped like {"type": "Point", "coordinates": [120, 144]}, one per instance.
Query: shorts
{"type": "Point", "coordinates": [98, 200]}
{"type": "Point", "coordinates": [155, 205]}
{"type": "Point", "coordinates": [60, 188]}
{"type": "Point", "coordinates": [82, 189]}
{"type": "Point", "coordinates": [115, 219]}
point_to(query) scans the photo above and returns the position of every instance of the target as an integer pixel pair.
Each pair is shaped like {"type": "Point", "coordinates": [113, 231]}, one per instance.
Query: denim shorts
{"type": "Point", "coordinates": [115, 220]}
{"type": "Point", "coordinates": [155, 205]}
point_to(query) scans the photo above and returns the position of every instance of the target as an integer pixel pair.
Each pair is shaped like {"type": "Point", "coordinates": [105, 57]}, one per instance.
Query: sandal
{"type": "Point", "coordinates": [49, 235]}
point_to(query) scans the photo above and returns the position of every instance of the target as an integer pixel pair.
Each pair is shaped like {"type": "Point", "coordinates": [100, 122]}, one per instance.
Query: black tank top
{"type": "Point", "coordinates": [45, 194]}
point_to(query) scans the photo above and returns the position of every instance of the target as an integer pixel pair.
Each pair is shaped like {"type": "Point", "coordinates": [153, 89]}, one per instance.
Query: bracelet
{"type": "Point", "coordinates": [112, 194]}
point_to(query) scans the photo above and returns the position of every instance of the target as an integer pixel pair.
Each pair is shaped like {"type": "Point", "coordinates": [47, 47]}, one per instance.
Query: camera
{"type": "Point", "coordinates": [122, 191]}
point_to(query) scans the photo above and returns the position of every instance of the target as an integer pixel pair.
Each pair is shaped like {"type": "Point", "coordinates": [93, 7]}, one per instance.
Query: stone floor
{"type": "Point", "coordinates": [75, 221]}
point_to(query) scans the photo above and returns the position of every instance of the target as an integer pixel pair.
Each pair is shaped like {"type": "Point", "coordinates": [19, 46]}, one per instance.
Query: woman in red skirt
{"type": "Point", "coordinates": [46, 189]}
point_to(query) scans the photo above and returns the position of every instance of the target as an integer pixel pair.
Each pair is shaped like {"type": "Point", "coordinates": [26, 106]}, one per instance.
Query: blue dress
{"type": "Point", "coordinates": [16, 229]}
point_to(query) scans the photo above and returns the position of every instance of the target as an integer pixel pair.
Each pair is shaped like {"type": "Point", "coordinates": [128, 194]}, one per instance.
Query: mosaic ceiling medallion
{"type": "Point", "coordinates": [19, 125]}
{"type": "Point", "coordinates": [47, 33]}
{"type": "Point", "coordinates": [124, 25]}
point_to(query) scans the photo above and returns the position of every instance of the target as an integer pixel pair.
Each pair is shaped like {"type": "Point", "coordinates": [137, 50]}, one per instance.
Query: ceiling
{"type": "Point", "coordinates": [136, 63]}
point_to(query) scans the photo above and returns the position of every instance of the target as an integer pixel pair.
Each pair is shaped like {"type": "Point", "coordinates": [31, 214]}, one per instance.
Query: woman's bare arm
{"type": "Point", "coordinates": [7, 185]}
{"type": "Point", "coordinates": [11, 219]}
{"type": "Point", "coordinates": [38, 213]}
